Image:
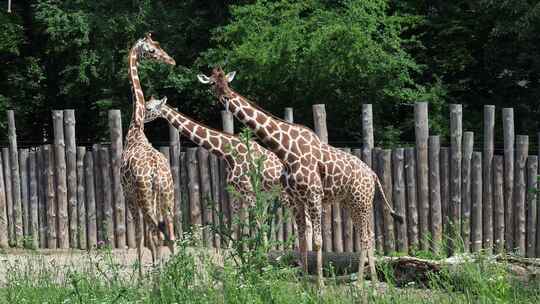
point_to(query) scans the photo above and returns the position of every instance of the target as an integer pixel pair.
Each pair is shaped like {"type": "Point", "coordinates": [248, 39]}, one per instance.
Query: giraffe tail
{"type": "Point", "coordinates": [398, 217]}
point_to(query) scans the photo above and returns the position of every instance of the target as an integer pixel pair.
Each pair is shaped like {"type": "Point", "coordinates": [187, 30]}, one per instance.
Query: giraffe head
{"type": "Point", "coordinates": [218, 80]}
{"type": "Point", "coordinates": [147, 48]}
{"type": "Point", "coordinates": [153, 108]}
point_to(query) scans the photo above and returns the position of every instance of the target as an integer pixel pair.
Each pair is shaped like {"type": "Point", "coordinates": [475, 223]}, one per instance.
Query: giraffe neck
{"type": "Point", "coordinates": [216, 142]}
{"type": "Point", "coordinates": [267, 127]}
{"type": "Point", "coordinates": [137, 117]}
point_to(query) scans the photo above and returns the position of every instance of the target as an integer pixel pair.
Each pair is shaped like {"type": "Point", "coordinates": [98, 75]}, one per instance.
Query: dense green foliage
{"type": "Point", "coordinates": [72, 54]}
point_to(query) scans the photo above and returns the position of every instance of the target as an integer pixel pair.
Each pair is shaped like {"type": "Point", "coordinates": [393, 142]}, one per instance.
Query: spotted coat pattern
{"type": "Point", "coordinates": [146, 176]}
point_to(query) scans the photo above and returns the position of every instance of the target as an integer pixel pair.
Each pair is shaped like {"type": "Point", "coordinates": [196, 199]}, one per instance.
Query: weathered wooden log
{"type": "Point", "coordinates": [42, 198]}
{"type": "Point", "coordinates": [378, 204]}
{"type": "Point", "coordinates": [422, 133]}
{"type": "Point", "coordinates": [107, 220]}
{"type": "Point", "coordinates": [81, 199]}
{"type": "Point", "coordinates": [508, 134]}
{"type": "Point", "coordinates": [71, 171]}
{"type": "Point", "coordinates": [412, 207]}
{"type": "Point", "coordinates": [194, 191]}
{"type": "Point", "coordinates": [398, 178]}
{"type": "Point", "coordinates": [15, 179]}
{"type": "Point", "coordinates": [435, 191]}
{"type": "Point", "coordinates": [476, 202]}
{"type": "Point", "coordinates": [532, 187]}
{"type": "Point", "coordinates": [206, 194]}
{"type": "Point", "coordinates": [119, 205]}
{"type": "Point", "coordinates": [520, 183]}
{"type": "Point", "coordinates": [185, 195]}
{"type": "Point", "coordinates": [455, 169]}
{"type": "Point", "coordinates": [487, 204]}
{"type": "Point", "coordinates": [334, 216]}
{"type": "Point", "coordinates": [498, 203]}
{"type": "Point", "coordinates": [386, 181]}
{"type": "Point", "coordinates": [33, 220]}
{"type": "Point", "coordinates": [445, 187]}
{"type": "Point", "coordinates": [468, 143]}
{"type": "Point", "coordinates": [98, 181]}
{"type": "Point", "coordinates": [214, 175]}
{"type": "Point", "coordinates": [4, 232]}
{"type": "Point", "coordinates": [48, 166]}
{"type": "Point", "coordinates": [9, 195]}
{"type": "Point", "coordinates": [174, 150]}
{"type": "Point", "coordinates": [23, 174]}
{"type": "Point", "coordinates": [90, 195]}
{"type": "Point", "coordinates": [61, 180]}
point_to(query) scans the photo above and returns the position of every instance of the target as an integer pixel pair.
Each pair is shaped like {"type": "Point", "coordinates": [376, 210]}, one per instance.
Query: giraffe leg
{"type": "Point", "coordinates": [315, 212]}
{"type": "Point", "coordinates": [361, 264]}
{"type": "Point", "coordinates": [167, 210]}
{"type": "Point", "coordinates": [373, 271]}
{"type": "Point", "coordinates": [138, 238]}
{"type": "Point", "coordinates": [300, 216]}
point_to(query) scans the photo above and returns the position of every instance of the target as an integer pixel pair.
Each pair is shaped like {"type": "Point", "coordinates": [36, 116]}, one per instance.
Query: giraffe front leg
{"type": "Point", "coordinates": [315, 212]}
{"type": "Point", "coordinates": [300, 217]}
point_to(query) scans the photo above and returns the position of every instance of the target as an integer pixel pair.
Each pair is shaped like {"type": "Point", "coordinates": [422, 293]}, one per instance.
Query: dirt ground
{"type": "Point", "coordinates": [60, 262]}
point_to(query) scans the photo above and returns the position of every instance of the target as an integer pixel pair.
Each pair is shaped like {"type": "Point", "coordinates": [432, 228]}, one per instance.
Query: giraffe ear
{"type": "Point", "coordinates": [163, 101]}
{"type": "Point", "coordinates": [203, 78]}
{"type": "Point", "coordinates": [230, 76]}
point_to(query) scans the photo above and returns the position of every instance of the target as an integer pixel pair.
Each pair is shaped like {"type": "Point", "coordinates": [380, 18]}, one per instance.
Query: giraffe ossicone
{"type": "Point", "coordinates": [316, 173]}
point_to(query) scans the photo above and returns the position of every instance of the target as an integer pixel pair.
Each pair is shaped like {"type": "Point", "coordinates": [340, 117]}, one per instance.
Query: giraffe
{"type": "Point", "coordinates": [228, 147]}
{"type": "Point", "coordinates": [146, 174]}
{"type": "Point", "coordinates": [315, 173]}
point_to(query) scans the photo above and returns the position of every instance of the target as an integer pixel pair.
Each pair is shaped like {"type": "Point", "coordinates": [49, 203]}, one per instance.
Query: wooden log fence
{"type": "Point", "coordinates": [61, 195]}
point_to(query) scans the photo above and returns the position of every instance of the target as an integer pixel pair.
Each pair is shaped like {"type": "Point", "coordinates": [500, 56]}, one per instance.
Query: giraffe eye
{"type": "Point", "coordinates": [152, 51]}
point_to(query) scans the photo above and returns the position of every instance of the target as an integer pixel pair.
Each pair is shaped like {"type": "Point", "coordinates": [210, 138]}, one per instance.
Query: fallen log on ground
{"type": "Point", "coordinates": [404, 269]}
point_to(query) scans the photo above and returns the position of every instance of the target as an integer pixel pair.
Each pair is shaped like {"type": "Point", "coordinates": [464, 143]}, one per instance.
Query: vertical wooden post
{"type": "Point", "coordinates": [508, 133]}
{"type": "Point", "coordinates": [216, 186]}
{"type": "Point", "coordinates": [98, 180]}
{"type": "Point", "coordinates": [476, 202]}
{"type": "Point", "coordinates": [377, 203]}
{"type": "Point", "coordinates": [206, 194]}
{"type": "Point", "coordinates": [412, 207]}
{"type": "Point", "coordinates": [115, 131]}
{"type": "Point", "coordinates": [288, 227]}
{"type": "Point", "coordinates": [81, 198]}
{"type": "Point", "coordinates": [33, 199]}
{"type": "Point", "coordinates": [385, 164]}
{"type": "Point", "coordinates": [48, 164]}
{"type": "Point", "coordinates": [15, 178]}
{"type": "Point", "coordinates": [435, 191]}
{"type": "Point", "coordinates": [532, 187]}
{"type": "Point", "coordinates": [455, 169]}
{"type": "Point", "coordinates": [42, 198]}
{"type": "Point", "coordinates": [489, 131]}
{"type": "Point", "coordinates": [398, 194]}
{"type": "Point", "coordinates": [194, 191]}
{"type": "Point", "coordinates": [522, 151]}
{"type": "Point", "coordinates": [422, 133]}
{"type": "Point", "coordinates": [498, 203]}
{"type": "Point", "coordinates": [445, 187]}
{"type": "Point", "coordinates": [174, 150]}
{"type": "Point", "coordinates": [185, 192]}
{"type": "Point", "coordinates": [331, 213]}
{"type": "Point", "coordinates": [23, 167]}
{"type": "Point", "coordinates": [4, 233]}
{"type": "Point", "coordinates": [367, 147]}
{"type": "Point", "coordinates": [91, 220]}
{"type": "Point", "coordinates": [107, 220]}
{"type": "Point", "coordinates": [468, 145]}
{"type": "Point", "coordinates": [9, 196]}
{"type": "Point", "coordinates": [71, 167]}
{"type": "Point", "coordinates": [61, 182]}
